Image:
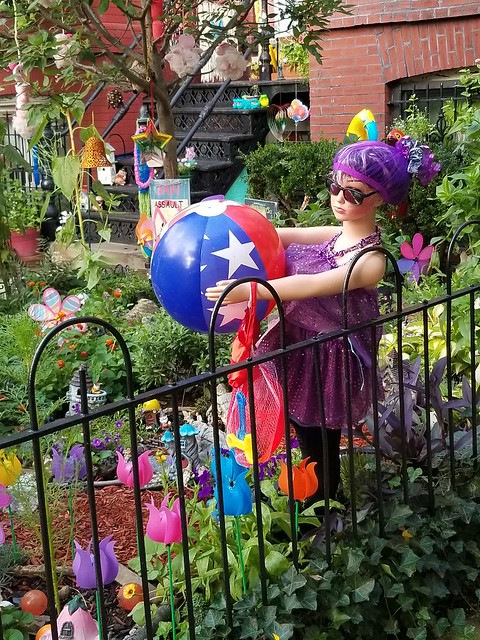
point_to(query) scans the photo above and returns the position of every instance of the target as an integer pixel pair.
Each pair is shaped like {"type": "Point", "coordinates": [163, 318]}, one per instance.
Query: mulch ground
{"type": "Point", "coordinates": [115, 508]}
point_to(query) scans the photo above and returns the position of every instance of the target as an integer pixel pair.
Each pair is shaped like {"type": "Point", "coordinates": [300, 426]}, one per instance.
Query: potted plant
{"type": "Point", "coordinates": [294, 59]}
{"type": "Point", "coordinates": [25, 210]}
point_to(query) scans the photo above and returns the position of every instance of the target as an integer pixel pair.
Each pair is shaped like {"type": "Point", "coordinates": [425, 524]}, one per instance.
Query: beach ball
{"type": "Point", "coordinates": [216, 239]}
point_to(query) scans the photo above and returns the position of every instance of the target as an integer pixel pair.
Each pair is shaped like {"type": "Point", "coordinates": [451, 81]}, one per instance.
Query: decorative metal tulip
{"type": "Point", "coordinates": [84, 568]}
{"type": "Point", "coordinates": [165, 525]}
{"type": "Point", "coordinates": [10, 470]}
{"type": "Point", "coordinates": [237, 497]}
{"type": "Point", "coordinates": [304, 481]}
{"type": "Point", "coordinates": [125, 470]}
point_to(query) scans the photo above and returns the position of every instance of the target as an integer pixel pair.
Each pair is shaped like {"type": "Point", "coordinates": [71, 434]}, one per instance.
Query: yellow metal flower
{"type": "Point", "coordinates": [10, 468]}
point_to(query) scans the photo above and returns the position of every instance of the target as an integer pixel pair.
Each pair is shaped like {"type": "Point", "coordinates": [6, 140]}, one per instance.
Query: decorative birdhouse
{"type": "Point", "coordinates": [96, 397]}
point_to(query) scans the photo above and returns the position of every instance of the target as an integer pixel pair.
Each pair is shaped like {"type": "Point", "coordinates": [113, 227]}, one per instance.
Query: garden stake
{"type": "Point", "coordinates": [240, 554]}
{"type": "Point", "coordinates": [99, 617]}
{"type": "Point", "coordinates": [296, 518]}
{"type": "Point", "coordinates": [72, 520]}
{"type": "Point", "coordinates": [170, 579]}
{"type": "Point", "coordinates": [12, 529]}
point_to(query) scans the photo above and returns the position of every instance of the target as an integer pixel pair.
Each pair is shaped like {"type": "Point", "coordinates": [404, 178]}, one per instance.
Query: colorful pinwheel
{"type": "Point", "coordinates": [297, 111]}
{"type": "Point", "coordinates": [145, 234]}
{"type": "Point", "coordinates": [415, 258]}
{"type": "Point", "coordinates": [54, 310]}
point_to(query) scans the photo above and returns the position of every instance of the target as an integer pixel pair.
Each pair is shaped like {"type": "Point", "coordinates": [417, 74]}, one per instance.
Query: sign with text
{"type": "Point", "coordinates": [167, 198]}
{"type": "Point", "coordinates": [267, 208]}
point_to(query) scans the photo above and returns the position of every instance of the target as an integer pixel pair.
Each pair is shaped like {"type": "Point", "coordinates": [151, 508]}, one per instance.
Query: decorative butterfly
{"type": "Point", "coordinates": [415, 258]}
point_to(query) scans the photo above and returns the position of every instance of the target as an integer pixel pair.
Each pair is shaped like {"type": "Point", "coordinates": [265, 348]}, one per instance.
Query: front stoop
{"type": "Point", "coordinates": [117, 254]}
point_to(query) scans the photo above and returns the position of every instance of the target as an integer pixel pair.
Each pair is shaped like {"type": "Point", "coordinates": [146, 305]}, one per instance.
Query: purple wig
{"type": "Point", "coordinates": [382, 167]}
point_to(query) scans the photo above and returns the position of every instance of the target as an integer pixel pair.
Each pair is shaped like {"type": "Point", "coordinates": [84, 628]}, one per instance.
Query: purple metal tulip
{"type": "Point", "coordinates": [69, 467]}
{"type": "Point", "coordinates": [164, 524]}
{"type": "Point", "coordinates": [125, 470]}
{"type": "Point", "coordinates": [84, 568]}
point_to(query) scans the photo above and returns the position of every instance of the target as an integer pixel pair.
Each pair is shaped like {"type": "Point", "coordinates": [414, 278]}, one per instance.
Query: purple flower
{"type": "Point", "coordinates": [97, 443]}
{"type": "Point", "coordinates": [107, 440]}
{"type": "Point", "coordinates": [70, 467]}
{"type": "Point", "coordinates": [294, 443]}
{"type": "Point", "coordinates": [2, 535]}
{"type": "Point", "coordinates": [205, 482]}
{"type": "Point", "coordinates": [84, 568]}
{"type": "Point", "coordinates": [118, 424]}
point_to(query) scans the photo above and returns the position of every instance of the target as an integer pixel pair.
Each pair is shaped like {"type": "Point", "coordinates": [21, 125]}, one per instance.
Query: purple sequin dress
{"type": "Point", "coordinates": [305, 319]}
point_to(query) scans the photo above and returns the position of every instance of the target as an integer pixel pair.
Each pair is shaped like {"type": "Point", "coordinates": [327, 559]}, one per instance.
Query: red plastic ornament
{"type": "Point", "coordinates": [130, 595]}
{"type": "Point", "coordinates": [34, 602]}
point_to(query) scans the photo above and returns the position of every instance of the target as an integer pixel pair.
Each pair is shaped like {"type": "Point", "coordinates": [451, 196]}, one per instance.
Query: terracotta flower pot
{"type": "Point", "coordinates": [25, 245]}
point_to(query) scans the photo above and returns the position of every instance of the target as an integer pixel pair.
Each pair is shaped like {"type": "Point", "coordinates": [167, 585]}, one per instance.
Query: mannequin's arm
{"type": "Point", "coordinates": [367, 273]}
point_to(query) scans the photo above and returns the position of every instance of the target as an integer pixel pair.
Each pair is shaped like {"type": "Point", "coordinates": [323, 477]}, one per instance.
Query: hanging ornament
{"type": "Point", "coordinates": [115, 99]}
{"type": "Point", "coordinates": [94, 154]}
{"type": "Point", "coordinates": [23, 95]}
{"type": "Point", "coordinates": [62, 56]}
{"type": "Point", "coordinates": [151, 140]}
{"type": "Point", "coordinates": [229, 62]}
{"type": "Point", "coordinates": [183, 58]}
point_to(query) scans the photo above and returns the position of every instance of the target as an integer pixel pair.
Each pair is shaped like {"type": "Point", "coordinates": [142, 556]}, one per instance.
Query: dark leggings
{"type": "Point", "coordinates": [311, 445]}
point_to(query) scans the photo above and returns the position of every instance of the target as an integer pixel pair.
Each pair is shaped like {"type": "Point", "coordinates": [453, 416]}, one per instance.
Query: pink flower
{"type": "Point", "coordinates": [415, 258]}
{"type": "Point", "coordinates": [164, 524]}
{"type": "Point", "coordinates": [2, 535]}
{"type": "Point", "coordinates": [125, 470]}
{"type": "Point", "coordinates": [5, 498]}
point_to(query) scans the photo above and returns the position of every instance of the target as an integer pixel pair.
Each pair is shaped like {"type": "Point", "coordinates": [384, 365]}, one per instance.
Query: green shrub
{"type": "Point", "coordinates": [289, 171]}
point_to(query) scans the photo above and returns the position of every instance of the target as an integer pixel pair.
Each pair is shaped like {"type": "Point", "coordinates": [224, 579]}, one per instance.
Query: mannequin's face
{"type": "Point", "coordinates": [352, 199]}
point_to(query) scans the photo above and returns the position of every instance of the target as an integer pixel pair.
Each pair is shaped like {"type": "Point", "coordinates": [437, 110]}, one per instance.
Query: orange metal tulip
{"type": "Point", "coordinates": [305, 481]}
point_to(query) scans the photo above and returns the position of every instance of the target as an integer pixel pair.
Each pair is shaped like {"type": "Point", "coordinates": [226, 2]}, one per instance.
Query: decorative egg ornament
{"type": "Point", "coordinates": [213, 240]}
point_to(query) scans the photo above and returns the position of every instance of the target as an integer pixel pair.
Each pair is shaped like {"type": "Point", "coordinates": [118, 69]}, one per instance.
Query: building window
{"type": "Point", "coordinates": [431, 93]}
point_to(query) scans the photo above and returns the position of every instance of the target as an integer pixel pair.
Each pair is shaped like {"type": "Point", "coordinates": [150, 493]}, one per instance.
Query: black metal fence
{"type": "Point", "coordinates": [413, 390]}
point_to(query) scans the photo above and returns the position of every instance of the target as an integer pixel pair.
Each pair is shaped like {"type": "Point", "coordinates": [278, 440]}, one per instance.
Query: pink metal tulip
{"type": "Point", "coordinates": [164, 524]}
{"type": "Point", "coordinates": [125, 470]}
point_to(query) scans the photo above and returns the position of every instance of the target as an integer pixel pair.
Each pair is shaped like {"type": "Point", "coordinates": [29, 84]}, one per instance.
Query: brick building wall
{"type": "Point", "coordinates": [383, 42]}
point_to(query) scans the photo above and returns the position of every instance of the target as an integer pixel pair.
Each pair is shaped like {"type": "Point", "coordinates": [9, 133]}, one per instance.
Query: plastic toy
{"type": "Point", "coordinates": [394, 136]}
{"type": "Point", "coordinates": [297, 111]}
{"type": "Point", "coordinates": [246, 103]}
{"type": "Point", "coordinates": [213, 240]}
{"type": "Point", "coordinates": [363, 126]}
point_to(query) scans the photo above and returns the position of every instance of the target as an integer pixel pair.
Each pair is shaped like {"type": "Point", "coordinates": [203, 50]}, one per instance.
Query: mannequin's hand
{"type": "Point", "coordinates": [240, 293]}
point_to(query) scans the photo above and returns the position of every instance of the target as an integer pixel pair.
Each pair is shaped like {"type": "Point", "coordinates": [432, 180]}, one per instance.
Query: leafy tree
{"type": "Point", "coordinates": [71, 43]}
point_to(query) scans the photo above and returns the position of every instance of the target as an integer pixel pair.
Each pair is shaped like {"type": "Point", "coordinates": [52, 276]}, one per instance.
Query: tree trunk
{"type": "Point", "coordinates": [165, 118]}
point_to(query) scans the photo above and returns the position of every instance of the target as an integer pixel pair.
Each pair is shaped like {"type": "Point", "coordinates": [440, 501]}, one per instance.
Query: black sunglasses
{"type": "Point", "coordinates": [353, 196]}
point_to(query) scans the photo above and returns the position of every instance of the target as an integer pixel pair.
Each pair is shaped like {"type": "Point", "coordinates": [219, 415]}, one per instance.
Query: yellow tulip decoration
{"type": "Point", "coordinates": [10, 470]}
